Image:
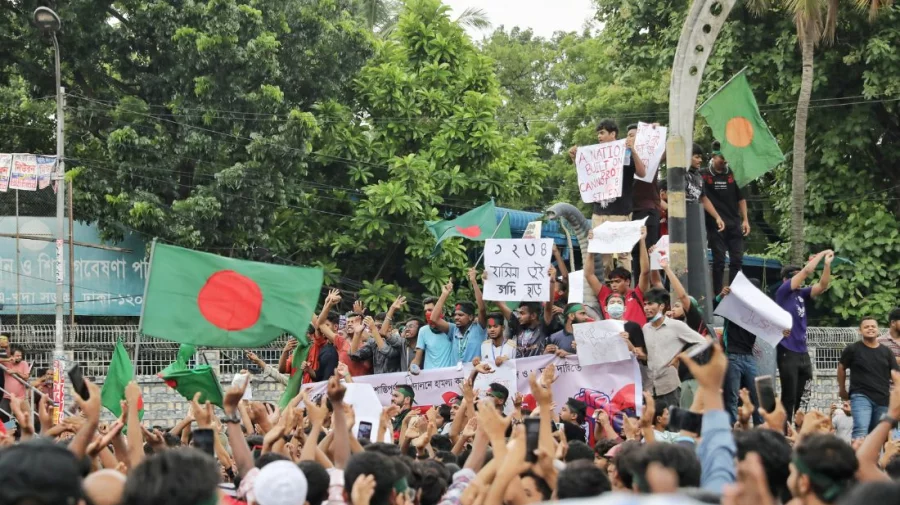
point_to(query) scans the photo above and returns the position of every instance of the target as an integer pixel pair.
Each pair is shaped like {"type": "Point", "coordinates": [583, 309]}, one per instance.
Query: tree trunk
{"type": "Point", "coordinates": [798, 172]}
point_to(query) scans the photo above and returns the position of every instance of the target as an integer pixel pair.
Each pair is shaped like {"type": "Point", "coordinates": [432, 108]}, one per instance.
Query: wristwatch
{"type": "Point", "coordinates": [890, 420]}
{"type": "Point", "coordinates": [234, 418]}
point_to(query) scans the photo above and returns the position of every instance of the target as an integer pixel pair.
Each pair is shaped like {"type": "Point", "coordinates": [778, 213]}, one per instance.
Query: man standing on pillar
{"type": "Point", "coordinates": [722, 190]}
{"type": "Point", "coordinates": [618, 209]}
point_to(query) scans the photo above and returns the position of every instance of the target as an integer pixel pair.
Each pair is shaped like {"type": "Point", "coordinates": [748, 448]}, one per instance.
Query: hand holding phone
{"type": "Point", "coordinates": [532, 434]}
{"type": "Point", "coordinates": [365, 431]}
{"type": "Point", "coordinates": [765, 391]}
{"type": "Point", "coordinates": [77, 379]}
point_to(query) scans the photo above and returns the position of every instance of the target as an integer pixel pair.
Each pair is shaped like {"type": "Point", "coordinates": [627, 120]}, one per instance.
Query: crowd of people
{"type": "Point", "coordinates": [702, 434]}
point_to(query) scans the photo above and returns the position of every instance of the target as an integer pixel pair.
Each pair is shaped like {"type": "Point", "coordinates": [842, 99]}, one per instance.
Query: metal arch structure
{"type": "Point", "coordinates": [699, 33]}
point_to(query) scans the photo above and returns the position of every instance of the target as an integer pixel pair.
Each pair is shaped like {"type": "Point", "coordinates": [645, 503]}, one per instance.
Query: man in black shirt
{"type": "Point", "coordinates": [722, 190]}
{"type": "Point", "coordinates": [870, 379]}
{"type": "Point", "coordinates": [620, 208]}
{"type": "Point", "coordinates": [742, 368]}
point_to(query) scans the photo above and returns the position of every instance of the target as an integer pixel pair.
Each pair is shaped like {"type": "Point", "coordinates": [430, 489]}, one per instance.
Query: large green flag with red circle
{"type": "Point", "coordinates": [207, 300]}
{"type": "Point", "coordinates": [478, 224]}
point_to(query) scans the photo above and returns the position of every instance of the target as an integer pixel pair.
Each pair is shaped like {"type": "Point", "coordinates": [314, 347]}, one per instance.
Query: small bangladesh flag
{"type": "Point", "coordinates": [120, 373]}
{"type": "Point", "coordinates": [202, 299]}
{"type": "Point", "coordinates": [190, 381]}
{"type": "Point", "coordinates": [747, 144]}
{"type": "Point", "coordinates": [478, 224]}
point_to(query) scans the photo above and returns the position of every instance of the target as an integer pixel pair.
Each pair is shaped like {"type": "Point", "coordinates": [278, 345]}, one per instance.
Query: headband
{"type": "Point", "coordinates": [409, 393]}
{"type": "Point", "coordinates": [574, 308]}
{"type": "Point", "coordinates": [493, 322]}
{"type": "Point", "coordinates": [401, 485]}
{"type": "Point", "coordinates": [831, 488]}
{"type": "Point", "coordinates": [465, 308]}
{"type": "Point", "coordinates": [497, 394]}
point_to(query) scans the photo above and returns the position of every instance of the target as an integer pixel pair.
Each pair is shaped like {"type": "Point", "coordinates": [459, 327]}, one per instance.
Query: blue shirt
{"type": "Point", "coordinates": [467, 346]}
{"type": "Point", "coordinates": [437, 348]}
{"type": "Point", "coordinates": [716, 451]}
{"type": "Point", "coordinates": [794, 302]}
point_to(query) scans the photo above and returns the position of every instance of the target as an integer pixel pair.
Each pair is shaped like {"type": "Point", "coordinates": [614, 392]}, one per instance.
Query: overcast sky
{"type": "Point", "coordinates": [543, 16]}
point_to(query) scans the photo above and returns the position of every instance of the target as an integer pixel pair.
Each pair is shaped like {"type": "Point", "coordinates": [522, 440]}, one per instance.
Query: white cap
{"type": "Point", "coordinates": [280, 483]}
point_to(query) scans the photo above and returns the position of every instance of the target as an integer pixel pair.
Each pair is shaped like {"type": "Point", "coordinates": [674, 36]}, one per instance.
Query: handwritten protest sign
{"type": "Point", "coordinates": [660, 251]}
{"type": "Point", "coordinates": [650, 144]}
{"type": "Point", "coordinates": [24, 172]}
{"type": "Point", "coordinates": [750, 308]}
{"type": "Point", "coordinates": [45, 164]}
{"type": "Point", "coordinates": [505, 375]}
{"type": "Point", "coordinates": [600, 173]}
{"type": "Point", "coordinates": [600, 342]}
{"type": "Point", "coordinates": [533, 230]}
{"type": "Point", "coordinates": [517, 269]}
{"type": "Point", "coordinates": [576, 286]}
{"type": "Point", "coordinates": [5, 168]}
{"type": "Point", "coordinates": [616, 236]}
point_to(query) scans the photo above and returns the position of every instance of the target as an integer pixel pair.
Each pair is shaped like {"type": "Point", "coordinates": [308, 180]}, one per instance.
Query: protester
{"type": "Point", "coordinates": [410, 338]}
{"type": "Point", "coordinates": [433, 347]}
{"type": "Point", "coordinates": [870, 365]}
{"type": "Point", "coordinates": [497, 349]}
{"type": "Point", "coordinates": [15, 379]}
{"type": "Point", "coordinates": [562, 343]}
{"type": "Point", "coordinates": [720, 187]}
{"type": "Point", "coordinates": [528, 327]}
{"type": "Point", "coordinates": [468, 332]}
{"type": "Point", "coordinates": [616, 209]}
{"type": "Point", "coordinates": [646, 204]}
{"type": "Point", "coordinates": [742, 369]}
{"type": "Point", "coordinates": [891, 339]}
{"type": "Point", "coordinates": [620, 284]}
{"type": "Point", "coordinates": [794, 365]}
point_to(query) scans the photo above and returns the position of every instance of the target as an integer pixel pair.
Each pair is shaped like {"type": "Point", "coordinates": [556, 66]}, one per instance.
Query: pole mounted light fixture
{"type": "Point", "coordinates": [46, 19]}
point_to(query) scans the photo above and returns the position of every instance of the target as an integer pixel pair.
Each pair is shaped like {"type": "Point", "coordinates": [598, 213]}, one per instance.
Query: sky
{"type": "Point", "coordinates": [543, 16]}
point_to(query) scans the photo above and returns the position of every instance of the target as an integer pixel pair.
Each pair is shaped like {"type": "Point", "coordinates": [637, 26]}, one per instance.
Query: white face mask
{"type": "Point", "coordinates": [615, 310]}
{"type": "Point", "coordinates": [657, 317]}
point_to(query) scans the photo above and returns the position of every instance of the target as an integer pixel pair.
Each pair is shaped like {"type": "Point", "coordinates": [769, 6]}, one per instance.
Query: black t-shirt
{"type": "Point", "coordinates": [620, 206]}
{"type": "Point", "coordinates": [870, 370]}
{"type": "Point", "coordinates": [635, 335]}
{"type": "Point", "coordinates": [694, 319]}
{"type": "Point", "coordinates": [529, 341]}
{"type": "Point", "coordinates": [328, 362]}
{"type": "Point", "coordinates": [737, 339]}
{"type": "Point", "coordinates": [693, 186]}
{"type": "Point", "coordinates": [724, 193]}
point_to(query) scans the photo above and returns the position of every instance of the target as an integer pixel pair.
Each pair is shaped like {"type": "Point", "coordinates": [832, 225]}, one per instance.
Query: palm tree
{"type": "Point", "coordinates": [382, 16]}
{"type": "Point", "coordinates": [816, 21]}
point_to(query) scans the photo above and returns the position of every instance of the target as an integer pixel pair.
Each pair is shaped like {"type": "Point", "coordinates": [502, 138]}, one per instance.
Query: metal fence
{"type": "Point", "coordinates": [92, 346]}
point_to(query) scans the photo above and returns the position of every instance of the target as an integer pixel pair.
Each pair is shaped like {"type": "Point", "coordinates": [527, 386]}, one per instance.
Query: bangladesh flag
{"type": "Point", "coordinates": [747, 143]}
{"type": "Point", "coordinates": [202, 299]}
{"type": "Point", "coordinates": [190, 381]}
{"type": "Point", "coordinates": [301, 352]}
{"type": "Point", "coordinates": [478, 224]}
{"type": "Point", "coordinates": [120, 373]}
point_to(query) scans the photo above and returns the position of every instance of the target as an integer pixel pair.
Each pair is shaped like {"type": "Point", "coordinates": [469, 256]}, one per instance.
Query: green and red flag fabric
{"type": "Point", "coordinates": [120, 373]}
{"type": "Point", "coordinates": [747, 144]}
{"type": "Point", "coordinates": [203, 299]}
{"type": "Point", "coordinates": [478, 224]}
{"type": "Point", "coordinates": [190, 381]}
{"type": "Point", "coordinates": [301, 352]}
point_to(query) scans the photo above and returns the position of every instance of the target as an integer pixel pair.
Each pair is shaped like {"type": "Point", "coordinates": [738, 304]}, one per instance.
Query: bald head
{"type": "Point", "coordinates": [105, 487]}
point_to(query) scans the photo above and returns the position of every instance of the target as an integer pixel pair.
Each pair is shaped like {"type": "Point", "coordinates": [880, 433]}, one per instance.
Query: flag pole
{"type": "Point", "coordinates": [505, 216]}
{"type": "Point", "coordinates": [741, 71]}
{"type": "Point", "coordinates": [137, 338]}
{"type": "Point", "coordinates": [213, 372]}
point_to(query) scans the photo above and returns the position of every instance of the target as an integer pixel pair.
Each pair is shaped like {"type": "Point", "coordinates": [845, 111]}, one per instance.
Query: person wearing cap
{"type": "Point", "coordinates": [279, 483]}
{"type": "Point", "coordinates": [891, 339]}
{"type": "Point", "coordinates": [792, 354]}
{"type": "Point", "coordinates": [722, 190]}
{"type": "Point", "coordinates": [403, 397]}
{"type": "Point", "coordinates": [468, 332]}
{"type": "Point", "coordinates": [562, 342]}
{"type": "Point", "coordinates": [572, 417]}
{"type": "Point", "coordinates": [616, 209]}
{"type": "Point", "coordinates": [499, 393]}
{"type": "Point", "coordinates": [497, 349]}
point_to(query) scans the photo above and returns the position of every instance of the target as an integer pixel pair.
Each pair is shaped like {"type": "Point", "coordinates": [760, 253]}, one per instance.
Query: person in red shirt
{"type": "Point", "coordinates": [620, 283]}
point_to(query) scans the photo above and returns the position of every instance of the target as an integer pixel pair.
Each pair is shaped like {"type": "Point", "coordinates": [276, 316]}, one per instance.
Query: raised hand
{"type": "Point", "coordinates": [447, 288]}
{"type": "Point", "coordinates": [399, 303]}
{"type": "Point", "coordinates": [363, 490]}
{"type": "Point", "coordinates": [358, 307]}
{"type": "Point", "coordinates": [202, 413]}
{"type": "Point", "coordinates": [334, 296]}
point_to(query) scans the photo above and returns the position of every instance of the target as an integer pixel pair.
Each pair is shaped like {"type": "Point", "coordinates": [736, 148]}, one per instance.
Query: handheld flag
{"type": "Point", "coordinates": [120, 373]}
{"type": "Point", "coordinates": [207, 300]}
{"type": "Point", "coordinates": [478, 224]}
{"type": "Point", "coordinates": [301, 352]}
{"type": "Point", "coordinates": [189, 381]}
{"type": "Point", "coordinates": [747, 144]}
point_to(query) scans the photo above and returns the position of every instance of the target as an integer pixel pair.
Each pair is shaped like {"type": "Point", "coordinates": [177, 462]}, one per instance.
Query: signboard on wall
{"type": "Point", "coordinates": [107, 283]}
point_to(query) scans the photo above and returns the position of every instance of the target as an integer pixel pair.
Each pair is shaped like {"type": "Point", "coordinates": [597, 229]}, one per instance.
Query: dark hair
{"type": "Point", "coordinates": [581, 479]}
{"type": "Point", "coordinates": [574, 432]}
{"type": "Point", "coordinates": [13, 348]}
{"type": "Point", "coordinates": [660, 410]}
{"type": "Point", "coordinates": [608, 125]}
{"type": "Point", "coordinates": [696, 149]}
{"type": "Point", "coordinates": [430, 299]}
{"type": "Point", "coordinates": [409, 389]}
{"type": "Point", "coordinates": [540, 484]}
{"type": "Point", "coordinates": [497, 316]}
{"type": "Point", "coordinates": [441, 443]}
{"type": "Point", "coordinates": [311, 330]}
{"type": "Point", "coordinates": [534, 308]}
{"type": "Point", "coordinates": [681, 459]}
{"type": "Point", "coordinates": [334, 317]}
{"type": "Point", "coordinates": [377, 465]}
{"type": "Point", "coordinates": [894, 315]}
{"type": "Point", "coordinates": [467, 307]}
{"type": "Point", "coordinates": [789, 271]}
{"type": "Point", "coordinates": [444, 411]}
{"type": "Point", "coordinates": [831, 465]}
{"type": "Point", "coordinates": [500, 388]}
{"type": "Point", "coordinates": [603, 446]}
{"type": "Point", "coordinates": [657, 295]}
{"type": "Point", "coordinates": [445, 457]}
{"type": "Point", "coordinates": [270, 457]}
{"type": "Point", "coordinates": [183, 476]}
{"type": "Point", "coordinates": [380, 316]}
{"type": "Point", "coordinates": [872, 492]}
{"type": "Point", "coordinates": [868, 318]}
{"type": "Point", "coordinates": [579, 450]}
{"type": "Point", "coordinates": [619, 273]}
{"type": "Point", "coordinates": [775, 453]}
{"type": "Point", "coordinates": [716, 145]}
{"type": "Point", "coordinates": [662, 184]}
{"type": "Point", "coordinates": [391, 450]}
{"type": "Point", "coordinates": [39, 471]}
{"type": "Point", "coordinates": [317, 481]}
{"type": "Point", "coordinates": [418, 320]}
{"type": "Point", "coordinates": [432, 478]}
{"type": "Point", "coordinates": [892, 468]}
{"type": "Point", "coordinates": [632, 126]}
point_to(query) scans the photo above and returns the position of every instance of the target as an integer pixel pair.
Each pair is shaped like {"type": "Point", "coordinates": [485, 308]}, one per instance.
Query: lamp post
{"type": "Point", "coordinates": [48, 21]}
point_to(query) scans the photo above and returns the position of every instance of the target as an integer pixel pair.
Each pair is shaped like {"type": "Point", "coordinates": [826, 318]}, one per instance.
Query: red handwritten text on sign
{"type": "Point", "coordinates": [600, 173]}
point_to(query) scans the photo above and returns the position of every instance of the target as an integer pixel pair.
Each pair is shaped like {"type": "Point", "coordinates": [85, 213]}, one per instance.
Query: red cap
{"type": "Point", "coordinates": [450, 398]}
{"type": "Point", "coordinates": [528, 402]}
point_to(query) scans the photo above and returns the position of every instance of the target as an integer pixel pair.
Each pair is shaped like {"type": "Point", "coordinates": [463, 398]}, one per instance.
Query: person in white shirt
{"type": "Point", "coordinates": [842, 420]}
{"type": "Point", "coordinates": [497, 349]}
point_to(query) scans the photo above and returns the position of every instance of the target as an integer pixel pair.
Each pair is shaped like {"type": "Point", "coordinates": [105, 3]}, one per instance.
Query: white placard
{"type": "Point", "coordinates": [576, 286]}
{"type": "Point", "coordinates": [752, 310]}
{"type": "Point", "coordinates": [5, 168]}
{"type": "Point", "coordinates": [600, 342]}
{"type": "Point", "coordinates": [616, 236]}
{"type": "Point", "coordinates": [517, 269]}
{"type": "Point", "coordinates": [660, 251]}
{"type": "Point", "coordinates": [24, 175]}
{"type": "Point", "coordinates": [533, 230]}
{"type": "Point", "coordinates": [46, 165]}
{"type": "Point", "coordinates": [505, 375]}
{"type": "Point", "coordinates": [650, 144]}
{"type": "Point", "coordinates": [600, 172]}
{"type": "Point", "coordinates": [238, 380]}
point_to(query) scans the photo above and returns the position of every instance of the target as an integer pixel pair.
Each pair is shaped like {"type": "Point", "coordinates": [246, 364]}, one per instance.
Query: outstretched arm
{"type": "Point", "coordinates": [822, 286]}
{"type": "Point", "coordinates": [479, 298]}
{"type": "Point", "coordinates": [438, 312]}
